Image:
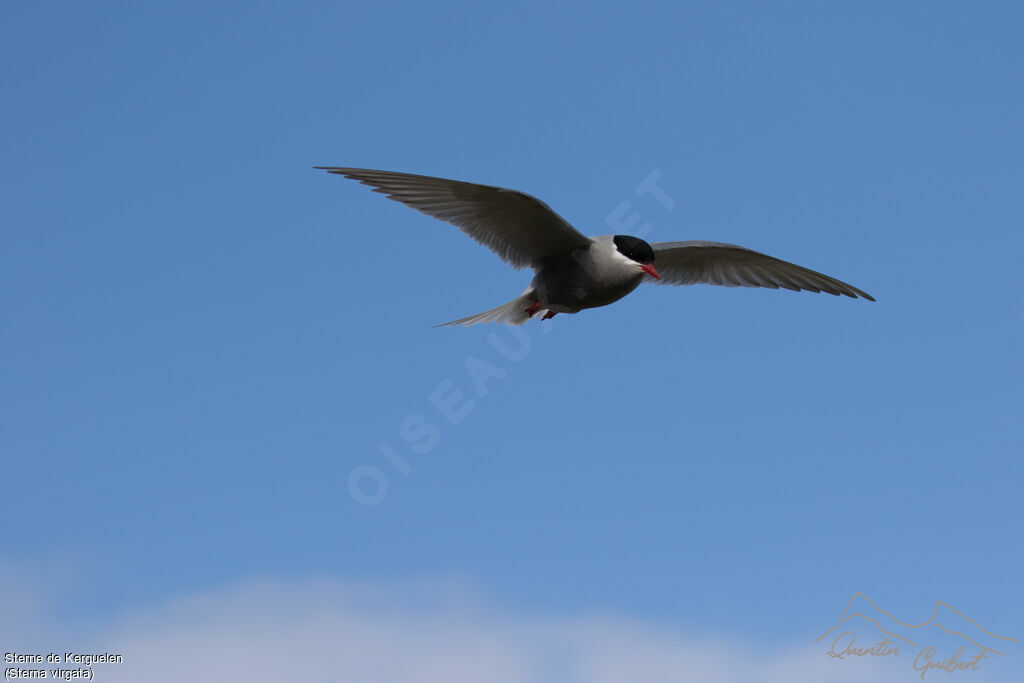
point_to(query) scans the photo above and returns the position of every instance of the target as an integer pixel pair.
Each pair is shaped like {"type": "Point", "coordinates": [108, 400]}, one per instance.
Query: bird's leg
{"type": "Point", "coordinates": [533, 309]}
{"type": "Point", "coordinates": [549, 315]}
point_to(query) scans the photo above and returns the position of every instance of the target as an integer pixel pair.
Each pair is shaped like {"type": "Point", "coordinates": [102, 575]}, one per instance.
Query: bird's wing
{"type": "Point", "coordinates": [715, 263]}
{"type": "Point", "coordinates": [521, 229]}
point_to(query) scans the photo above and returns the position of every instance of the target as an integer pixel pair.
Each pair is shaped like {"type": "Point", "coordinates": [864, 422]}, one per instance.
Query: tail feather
{"type": "Point", "coordinates": [512, 313]}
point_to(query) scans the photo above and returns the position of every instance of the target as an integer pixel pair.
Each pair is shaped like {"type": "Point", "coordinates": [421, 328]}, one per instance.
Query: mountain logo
{"type": "Point", "coordinates": [948, 641]}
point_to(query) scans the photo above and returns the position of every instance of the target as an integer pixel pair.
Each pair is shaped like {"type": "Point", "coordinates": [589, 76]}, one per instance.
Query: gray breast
{"type": "Point", "coordinates": [586, 278]}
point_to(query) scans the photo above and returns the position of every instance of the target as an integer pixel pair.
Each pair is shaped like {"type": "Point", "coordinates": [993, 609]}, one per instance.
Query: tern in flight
{"type": "Point", "coordinates": [573, 272]}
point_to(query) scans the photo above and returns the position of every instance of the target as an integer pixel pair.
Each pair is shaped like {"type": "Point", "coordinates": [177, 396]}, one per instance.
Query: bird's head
{"type": "Point", "coordinates": [637, 251]}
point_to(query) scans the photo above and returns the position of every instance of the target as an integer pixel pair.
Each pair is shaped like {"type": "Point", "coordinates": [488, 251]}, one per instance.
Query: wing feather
{"type": "Point", "coordinates": [519, 228]}
{"type": "Point", "coordinates": [717, 263]}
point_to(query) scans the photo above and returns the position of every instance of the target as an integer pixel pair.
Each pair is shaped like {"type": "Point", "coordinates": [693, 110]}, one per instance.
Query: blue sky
{"type": "Point", "coordinates": [203, 337]}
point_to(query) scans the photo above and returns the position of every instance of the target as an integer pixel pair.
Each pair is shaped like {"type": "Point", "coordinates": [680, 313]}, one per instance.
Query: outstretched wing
{"type": "Point", "coordinates": [521, 229]}
{"type": "Point", "coordinates": [715, 263]}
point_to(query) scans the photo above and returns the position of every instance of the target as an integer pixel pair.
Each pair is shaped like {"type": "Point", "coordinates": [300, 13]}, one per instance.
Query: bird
{"type": "Point", "coordinates": [574, 272]}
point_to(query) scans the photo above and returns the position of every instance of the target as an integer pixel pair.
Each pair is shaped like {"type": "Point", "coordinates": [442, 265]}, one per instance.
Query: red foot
{"type": "Point", "coordinates": [533, 309]}
{"type": "Point", "coordinates": [549, 315]}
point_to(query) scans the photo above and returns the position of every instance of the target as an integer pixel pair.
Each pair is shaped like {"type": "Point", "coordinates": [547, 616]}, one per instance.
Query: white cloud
{"type": "Point", "coordinates": [414, 632]}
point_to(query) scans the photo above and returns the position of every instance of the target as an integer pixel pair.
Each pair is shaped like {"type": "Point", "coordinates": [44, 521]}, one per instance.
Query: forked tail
{"type": "Point", "coordinates": [512, 313]}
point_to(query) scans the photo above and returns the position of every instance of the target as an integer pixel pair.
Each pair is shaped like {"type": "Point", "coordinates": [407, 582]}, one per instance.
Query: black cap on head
{"type": "Point", "coordinates": [634, 248]}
